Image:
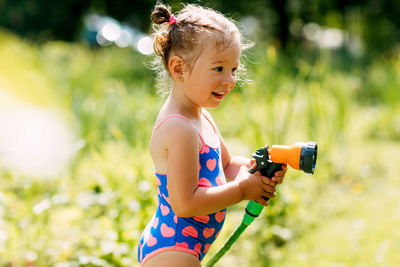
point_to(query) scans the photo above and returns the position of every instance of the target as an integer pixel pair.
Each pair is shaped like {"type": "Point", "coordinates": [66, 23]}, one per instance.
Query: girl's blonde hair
{"type": "Point", "coordinates": [186, 34]}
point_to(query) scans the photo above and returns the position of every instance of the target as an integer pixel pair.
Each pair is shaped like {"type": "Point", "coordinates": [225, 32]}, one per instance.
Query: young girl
{"type": "Point", "coordinates": [197, 176]}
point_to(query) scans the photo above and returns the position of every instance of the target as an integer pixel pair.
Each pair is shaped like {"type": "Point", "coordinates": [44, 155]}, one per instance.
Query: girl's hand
{"type": "Point", "coordinates": [279, 175]}
{"type": "Point", "coordinates": [255, 186]}
{"type": "Point", "coordinates": [253, 163]}
{"type": "Point", "coordinates": [277, 179]}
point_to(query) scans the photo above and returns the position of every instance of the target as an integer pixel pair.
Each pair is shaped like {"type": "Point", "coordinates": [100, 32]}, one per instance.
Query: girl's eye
{"type": "Point", "coordinates": [218, 69]}
{"type": "Point", "coordinates": [234, 70]}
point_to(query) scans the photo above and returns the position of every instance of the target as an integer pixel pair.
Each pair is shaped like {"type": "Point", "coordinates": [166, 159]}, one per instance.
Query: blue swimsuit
{"type": "Point", "coordinates": [193, 235]}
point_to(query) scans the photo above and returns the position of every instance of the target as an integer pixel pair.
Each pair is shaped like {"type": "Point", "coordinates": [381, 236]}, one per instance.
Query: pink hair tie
{"type": "Point", "coordinates": [172, 19]}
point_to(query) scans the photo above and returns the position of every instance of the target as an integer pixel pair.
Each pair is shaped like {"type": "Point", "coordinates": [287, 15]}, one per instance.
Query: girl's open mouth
{"type": "Point", "coordinates": [218, 95]}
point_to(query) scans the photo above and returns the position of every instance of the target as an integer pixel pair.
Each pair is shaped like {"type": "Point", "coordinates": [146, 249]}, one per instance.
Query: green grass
{"type": "Point", "coordinates": [354, 222]}
{"type": "Point", "coordinates": [92, 212]}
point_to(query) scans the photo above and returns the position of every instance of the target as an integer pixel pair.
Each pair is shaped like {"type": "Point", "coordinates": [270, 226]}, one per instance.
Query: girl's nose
{"type": "Point", "coordinates": [230, 80]}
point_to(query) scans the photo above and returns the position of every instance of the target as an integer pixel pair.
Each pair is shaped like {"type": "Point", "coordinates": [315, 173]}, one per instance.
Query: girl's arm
{"type": "Point", "coordinates": [186, 198]}
{"type": "Point", "coordinates": [232, 164]}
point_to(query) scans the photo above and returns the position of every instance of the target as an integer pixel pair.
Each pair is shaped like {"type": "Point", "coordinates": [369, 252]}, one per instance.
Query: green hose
{"type": "Point", "coordinates": [228, 244]}
{"type": "Point", "coordinates": [253, 209]}
{"type": "Point", "coordinates": [307, 157]}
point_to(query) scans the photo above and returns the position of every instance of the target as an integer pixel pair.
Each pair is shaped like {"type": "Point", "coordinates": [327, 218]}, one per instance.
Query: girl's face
{"type": "Point", "coordinates": [213, 75]}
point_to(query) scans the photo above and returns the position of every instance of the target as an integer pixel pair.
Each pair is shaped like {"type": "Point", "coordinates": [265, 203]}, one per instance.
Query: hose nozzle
{"type": "Point", "coordinates": [300, 156]}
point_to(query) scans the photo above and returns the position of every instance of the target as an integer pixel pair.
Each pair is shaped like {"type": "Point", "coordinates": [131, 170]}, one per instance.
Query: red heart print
{"type": "Point", "coordinates": [207, 232]}
{"type": "Point", "coordinates": [167, 231]}
{"type": "Point", "coordinates": [203, 182]}
{"type": "Point", "coordinates": [151, 241]}
{"type": "Point", "coordinates": [202, 218]}
{"type": "Point", "coordinates": [197, 248]}
{"type": "Point", "coordinates": [190, 231]}
{"type": "Point", "coordinates": [219, 216]}
{"type": "Point", "coordinates": [206, 247]}
{"type": "Point", "coordinates": [155, 223]}
{"type": "Point", "coordinates": [182, 245]}
{"type": "Point", "coordinates": [211, 163]}
{"type": "Point", "coordinates": [204, 149]}
{"type": "Point", "coordinates": [164, 210]}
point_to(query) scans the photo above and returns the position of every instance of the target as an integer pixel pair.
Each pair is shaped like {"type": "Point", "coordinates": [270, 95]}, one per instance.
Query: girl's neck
{"type": "Point", "coordinates": [181, 104]}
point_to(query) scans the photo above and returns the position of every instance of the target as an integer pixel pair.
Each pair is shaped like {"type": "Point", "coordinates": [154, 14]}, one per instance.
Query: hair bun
{"type": "Point", "coordinates": [161, 14]}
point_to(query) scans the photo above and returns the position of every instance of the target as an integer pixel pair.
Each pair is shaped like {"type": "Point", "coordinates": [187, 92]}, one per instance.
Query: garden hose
{"type": "Point", "coordinates": [300, 156]}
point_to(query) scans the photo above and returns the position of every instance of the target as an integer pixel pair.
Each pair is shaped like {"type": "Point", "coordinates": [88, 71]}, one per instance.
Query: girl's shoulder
{"type": "Point", "coordinates": [176, 136]}
{"type": "Point", "coordinates": [173, 128]}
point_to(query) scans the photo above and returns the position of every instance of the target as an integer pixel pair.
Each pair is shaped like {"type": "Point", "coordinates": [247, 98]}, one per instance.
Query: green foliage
{"type": "Point", "coordinates": [93, 213]}
{"type": "Point", "coordinates": [374, 22]}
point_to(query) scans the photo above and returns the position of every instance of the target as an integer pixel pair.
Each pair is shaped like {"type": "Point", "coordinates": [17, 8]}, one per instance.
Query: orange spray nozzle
{"type": "Point", "coordinates": [299, 156]}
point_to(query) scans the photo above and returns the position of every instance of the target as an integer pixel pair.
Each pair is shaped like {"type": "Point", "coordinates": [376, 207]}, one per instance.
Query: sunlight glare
{"type": "Point", "coordinates": [35, 141]}
{"type": "Point", "coordinates": [145, 45]}
{"type": "Point", "coordinates": [111, 31]}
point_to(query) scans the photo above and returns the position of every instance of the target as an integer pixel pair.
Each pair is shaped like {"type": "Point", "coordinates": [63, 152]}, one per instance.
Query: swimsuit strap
{"type": "Point", "coordinates": [212, 124]}
{"type": "Point", "coordinates": [177, 116]}
{"type": "Point", "coordinates": [166, 118]}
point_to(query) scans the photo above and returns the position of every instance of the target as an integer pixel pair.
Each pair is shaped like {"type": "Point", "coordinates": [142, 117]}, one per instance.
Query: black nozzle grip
{"type": "Point", "coordinates": [268, 170]}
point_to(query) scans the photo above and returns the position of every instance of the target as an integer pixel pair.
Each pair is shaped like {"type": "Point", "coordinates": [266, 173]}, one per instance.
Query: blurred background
{"type": "Point", "coordinates": [78, 102]}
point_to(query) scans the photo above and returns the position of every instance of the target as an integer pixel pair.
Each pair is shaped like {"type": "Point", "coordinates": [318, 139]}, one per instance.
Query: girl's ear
{"type": "Point", "coordinates": [176, 68]}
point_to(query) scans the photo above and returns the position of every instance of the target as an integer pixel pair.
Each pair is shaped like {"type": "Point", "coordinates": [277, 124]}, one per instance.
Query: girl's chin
{"type": "Point", "coordinates": [212, 106]}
